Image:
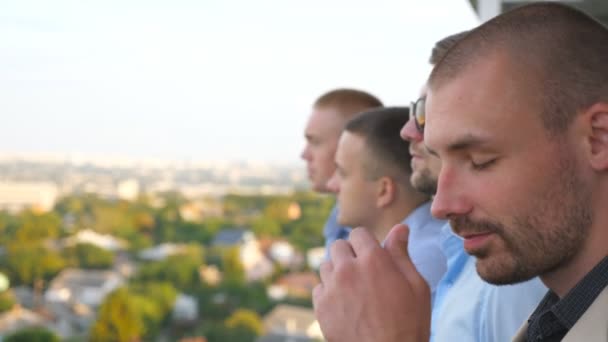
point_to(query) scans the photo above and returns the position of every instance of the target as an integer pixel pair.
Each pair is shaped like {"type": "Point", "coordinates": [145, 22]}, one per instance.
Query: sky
{"type": "Point", "coordinates": [202, 79]}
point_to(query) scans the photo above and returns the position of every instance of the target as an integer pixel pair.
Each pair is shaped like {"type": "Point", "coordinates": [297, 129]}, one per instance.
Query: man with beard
{"type": "Point", "coordinates": [374, 191]}
{"type": "Point", "coordinates": [330, 113]}
{"type": "Point", "coordinates": [517, 111]}
{"type": "Point", "coordinates": [496, 312]}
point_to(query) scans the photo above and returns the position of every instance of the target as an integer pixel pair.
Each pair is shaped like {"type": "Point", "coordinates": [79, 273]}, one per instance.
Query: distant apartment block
{"type": "Point", "coordinates": [285, 254]}
{"type": "Point", "coordinates": [86, 287]}
{"type": "Point", "coordinates": [105, 241]}
{"type": "Point", "coordinates": [17, 196]}
{"type": "Point", "coordinates": [292, 321]}
{"type": "Point", "coordinates": [299, 284]}
{"type": "Point", "coordinates": [256, 264]}
{"type": "Point", "coordinates": [162, 251]}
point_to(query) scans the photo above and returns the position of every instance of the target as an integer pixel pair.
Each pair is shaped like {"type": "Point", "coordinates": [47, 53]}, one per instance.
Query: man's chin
{"type": "Point", "coordinates": [320, 189]}
{"type": "Point", "coordinates": [426, 187]}
{"type": "Point", "coordinates": [496, 270]}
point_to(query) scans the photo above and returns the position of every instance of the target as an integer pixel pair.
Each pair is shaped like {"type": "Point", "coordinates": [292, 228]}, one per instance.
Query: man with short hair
{"type": "Point", "coordinates": [374, 191]}
{"type": "Point", "coordinates": [330, 113]}
{"type": "Point", "coordinates": [425, 167]}
{"type": "Point", "coordinates": [498, 311]}
{"type": "Point", "coordinates": [517, 111]}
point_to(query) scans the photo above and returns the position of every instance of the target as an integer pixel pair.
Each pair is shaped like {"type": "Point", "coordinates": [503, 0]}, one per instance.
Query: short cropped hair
{"type": "Point", "coordinates": [388, 154]}
{"type": "Point", "coordinates": [560, 51]}
{"type": "Point", "coordinates": [444, 45]}
{"type": "Point", "coordinates": [348, 102]}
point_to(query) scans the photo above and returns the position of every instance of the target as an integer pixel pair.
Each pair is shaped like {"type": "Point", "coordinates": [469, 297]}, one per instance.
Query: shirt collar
{"type": "Point", "coordinates": [568, 310]}
{"type": "Point", "coordinates": [420, 216]}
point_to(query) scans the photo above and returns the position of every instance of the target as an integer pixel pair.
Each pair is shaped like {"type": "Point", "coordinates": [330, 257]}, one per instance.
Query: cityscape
{"type": "Point", "coordinates": [112, 249]}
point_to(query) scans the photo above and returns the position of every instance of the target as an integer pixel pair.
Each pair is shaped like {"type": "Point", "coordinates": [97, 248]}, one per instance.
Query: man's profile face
{"type": "Point", "coordinates": [425, 167]}
{"type": "Point", "coordinates": [355, 189]}
{"type": "Point", "coordinates": [514, 193]}
{"type": "Point", "coordinates": [322, 133]}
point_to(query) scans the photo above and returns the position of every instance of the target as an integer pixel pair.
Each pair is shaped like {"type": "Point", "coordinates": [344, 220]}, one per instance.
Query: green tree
{"type": "Point", "coordinates": [8, 225]}
{"type": "Point", "coordinates": [113, 219]}
{"type": "Point", "coordinates": [181, 270]}
{"type": "Point", "coordinates": [27, 263]}
{"type": "Point", "coordinates": [118, 319]}
{"type": "Point", "coordinates": [243, 326]}
{"type": "Point", "coordinates": [7, 301]}
{"type": "Point", "coordinates": [266, 226]}
{"type": "Point", "coordinates": [163, 294]}
{"type": "Point", "coordinates": [247, 322]}
{"type": "Point", "coordinates": [234, 272]}
{"type": "Point", "coordinates": [87, 255]}
{"type": "Point", "coordinates": [33, 335]}
{"type": "Point", "coordinates": [278, 209]}
{"type": "Point", "coordinates": [36, 227]}
{"type": "Point", "coordinates": [307, 231]}
{"type": "Point", "coordinates": [154, 303]}
{"type": "Point", "coordinates": [134, 313]}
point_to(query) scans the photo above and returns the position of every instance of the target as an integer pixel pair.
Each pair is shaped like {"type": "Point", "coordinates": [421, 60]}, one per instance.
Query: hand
{"type": "Point", "coordinates": [372, 294]}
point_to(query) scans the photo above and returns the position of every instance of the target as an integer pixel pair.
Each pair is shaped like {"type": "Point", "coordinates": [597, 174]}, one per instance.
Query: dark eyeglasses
{"type": "Point", "coordinates": [418, 113]}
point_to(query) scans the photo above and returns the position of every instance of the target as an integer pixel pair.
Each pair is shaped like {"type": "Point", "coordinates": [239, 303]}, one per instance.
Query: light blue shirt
{"type": "Point", "coordinates": [424, 246]}
{"type": "Point", "coordinates": [466, 308]}
{"type": "Point", "coordinates": [333, 231]}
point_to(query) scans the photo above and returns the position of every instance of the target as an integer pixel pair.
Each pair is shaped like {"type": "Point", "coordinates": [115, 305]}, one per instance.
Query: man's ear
{"type": "Point", "coordinates": [598, 137]}
{"type": "Point", "coordinates": [386, 192]}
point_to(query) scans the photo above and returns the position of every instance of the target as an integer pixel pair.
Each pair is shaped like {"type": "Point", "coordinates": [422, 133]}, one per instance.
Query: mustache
{"type": "Point", "coordinates": [464, 224]}
{"type": "Point", "coordinates": [417, 150]}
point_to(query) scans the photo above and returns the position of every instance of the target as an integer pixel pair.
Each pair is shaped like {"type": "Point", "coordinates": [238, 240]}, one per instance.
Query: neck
{"type": "Point", "coordinates": [593, 250]}
{"type": "Point", "coordinates": [393, 215]}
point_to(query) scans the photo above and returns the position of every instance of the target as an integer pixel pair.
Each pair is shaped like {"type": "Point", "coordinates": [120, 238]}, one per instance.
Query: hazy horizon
{"type": "Point", "coordinates": [201, 81]}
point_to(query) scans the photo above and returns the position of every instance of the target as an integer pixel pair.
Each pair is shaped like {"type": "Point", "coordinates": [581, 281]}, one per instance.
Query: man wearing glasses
{"type": "Point", "coordinates": [517, 111]}
{"type": "Point", "coordinates": [464, 304]}
{"type": "Point", "coordinates": [453, 311]}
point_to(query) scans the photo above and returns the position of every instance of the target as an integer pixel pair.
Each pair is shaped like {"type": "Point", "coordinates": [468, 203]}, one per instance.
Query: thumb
{"type": "Point", "coordinates": [396, 245]}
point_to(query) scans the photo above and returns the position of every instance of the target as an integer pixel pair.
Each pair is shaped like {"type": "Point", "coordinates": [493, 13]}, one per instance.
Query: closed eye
{"type": "Point", "coordinates": [478, 166]}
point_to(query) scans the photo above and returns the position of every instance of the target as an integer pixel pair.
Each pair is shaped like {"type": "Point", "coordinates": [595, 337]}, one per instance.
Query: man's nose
{"type": "Point", "coordinates": [452, 197]}
{"type": "Point", "coordinates": [410, 133]}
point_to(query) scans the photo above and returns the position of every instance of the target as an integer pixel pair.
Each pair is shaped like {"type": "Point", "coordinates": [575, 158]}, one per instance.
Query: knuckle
{"type": "Point", "coordinates": [344, 271]}
{"type": "Point", "coordinates": [373, 258]}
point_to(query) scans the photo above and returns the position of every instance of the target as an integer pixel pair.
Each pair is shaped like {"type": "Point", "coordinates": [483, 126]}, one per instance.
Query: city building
{"type": "Point", "coordinates": [18, 196]}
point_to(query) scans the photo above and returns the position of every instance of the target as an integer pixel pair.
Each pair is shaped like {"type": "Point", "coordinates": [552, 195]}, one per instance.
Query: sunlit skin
{"type": "Point", "coordinates": [520, 198]}
{"type": "Point", "coordinates": [376, 202]}
{"type": "Point", "coordinates": [524, 188]}
{"type": "Point", "coordinates": [425, 167]}
{"type": "Point", "coordinates": [354, 188]}
{"type": "Point", "coordinates": [321, 133]}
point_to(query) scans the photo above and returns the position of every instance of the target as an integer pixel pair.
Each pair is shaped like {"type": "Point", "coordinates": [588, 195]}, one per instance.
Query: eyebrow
{"type": "Point", "coordinates": [468, 142]}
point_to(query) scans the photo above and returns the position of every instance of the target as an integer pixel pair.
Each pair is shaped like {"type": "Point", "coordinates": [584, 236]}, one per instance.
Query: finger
{"type": "Point", "coordinates": [340, 250]}
{"type": "Point", "coordinates": [396, 244]}
{"type": "Point", "coordinates": [325, 271]}
{"type": "Point", "coordinates": [317, 292]}
{"type": "Point", "coordinates": [362, 241]}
